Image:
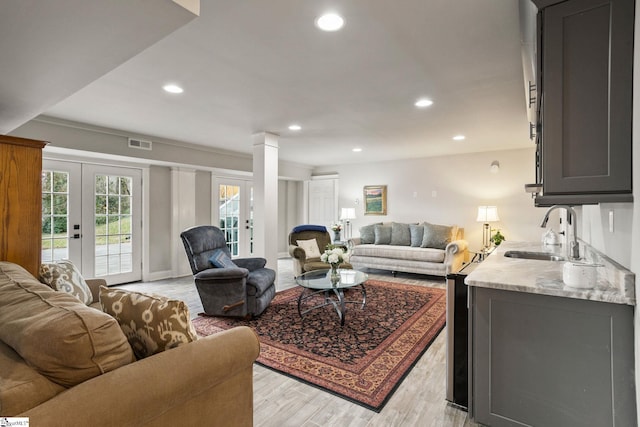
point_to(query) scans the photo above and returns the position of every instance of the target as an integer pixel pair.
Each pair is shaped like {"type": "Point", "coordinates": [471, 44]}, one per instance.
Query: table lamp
{"type": "Point", "coordinates": [487, 214]}
{"type": "Point", "coordinates": [347, 215]}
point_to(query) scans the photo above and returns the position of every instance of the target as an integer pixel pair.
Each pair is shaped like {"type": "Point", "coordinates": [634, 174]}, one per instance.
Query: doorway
{"type": "Point", "coordinates": [91, 215]}
{"type": "Point", "coordinates": [235, 214]}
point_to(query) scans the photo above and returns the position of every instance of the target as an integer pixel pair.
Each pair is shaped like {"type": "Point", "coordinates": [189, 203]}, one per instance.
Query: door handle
{"type": "Point", "coordinates": [76, 236]}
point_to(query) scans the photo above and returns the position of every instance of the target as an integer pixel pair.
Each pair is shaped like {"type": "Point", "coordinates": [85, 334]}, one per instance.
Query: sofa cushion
{"type": "Point", "coordinates": [382, 234]}
{"type": "Point", "coordinates": [64, 276]}
{"type": "Point", "coordinates": [311, 249]}
{"type": "Point", "coordinates": [400, 234]}
{"type": "Point", "coordinates": [417, 233]}
{"type": "Point", "coordinates": [398, 252]}
{"type": "Point", "coordinates": [22, 387]}
{"type": "Point", "coordinates": [367, 233]}
{"type": "Point", "coordinates": [56, 334]}
{"type": "Point", "coordinates": [221, 259]}
{"type": "Point", "coordinates": [151, 323]}
{"type": "Point", "coordinates": [436, 236]}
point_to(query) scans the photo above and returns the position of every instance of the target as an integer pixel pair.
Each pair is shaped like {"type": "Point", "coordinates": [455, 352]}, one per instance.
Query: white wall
{"type": "Point", "coordinates": [289, 212]}
{"type": "Point", "coordinates": [448, 190]}
{"type": "Point", "coordinates": [160, 222]}
{"type": "Point", "coordinates": [87, 139]}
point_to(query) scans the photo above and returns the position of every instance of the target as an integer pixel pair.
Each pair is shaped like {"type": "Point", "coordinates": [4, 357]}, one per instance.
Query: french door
{"type": "Point", "coordinates": [91, 215]}
{"type": "Point", "coordinates": [61, 212]}
{"type": "Point", "coordinates": [234, 214]}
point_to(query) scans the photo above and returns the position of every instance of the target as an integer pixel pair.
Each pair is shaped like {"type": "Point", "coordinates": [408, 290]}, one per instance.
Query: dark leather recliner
{"type": "Point", "coordinates": [242, 291]}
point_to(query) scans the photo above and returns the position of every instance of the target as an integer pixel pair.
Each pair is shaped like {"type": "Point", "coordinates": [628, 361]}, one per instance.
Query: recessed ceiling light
{"type": "Point", "coordinates": [295, 127]}
{"type": "Point", "coordinates": [171, 88]}
{"type": "Point", "coordinates": [330, 22]}
{"type": "Point", "coordinates": [356, 150]}
{"type": "Point", "coordinates": [423, 102]}
{"type": "Point", "coordinates": [458, 137]}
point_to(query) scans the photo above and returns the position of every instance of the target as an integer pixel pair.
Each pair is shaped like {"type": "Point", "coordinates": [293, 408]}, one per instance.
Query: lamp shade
{"type": "Point", "coordinates": [487, 214]}
{"type": "Point", "coordinates": [348, 213]}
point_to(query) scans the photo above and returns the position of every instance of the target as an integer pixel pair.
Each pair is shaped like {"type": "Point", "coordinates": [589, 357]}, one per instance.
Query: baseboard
{"type": "Point", "coordinates": [158, 275]}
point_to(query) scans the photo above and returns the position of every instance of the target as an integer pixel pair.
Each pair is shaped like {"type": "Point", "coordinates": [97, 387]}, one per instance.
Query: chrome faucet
{"type": "Point", "coordinates": [574, 249]}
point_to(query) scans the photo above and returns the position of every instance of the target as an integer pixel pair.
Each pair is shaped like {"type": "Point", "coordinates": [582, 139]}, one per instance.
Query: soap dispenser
{"type": "Point", "coordinates": [550, 238]}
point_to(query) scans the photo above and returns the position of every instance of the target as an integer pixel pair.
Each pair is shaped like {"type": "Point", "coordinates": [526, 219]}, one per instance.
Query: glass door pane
{"type": "Point", "coordinates": [55, 215]}
{"type": "Point", "coordinates": [235, 214]}
{"type": "Point", "coordinates": [113, 251]}
{"type": "Point", "coordinates": [229, 211]}
{"type": "Point", "coordinates": [61, 211]}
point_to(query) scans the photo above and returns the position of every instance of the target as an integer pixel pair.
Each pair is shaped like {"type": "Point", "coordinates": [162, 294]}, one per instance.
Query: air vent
{"type": "Point", "coordinates": [140, 144]}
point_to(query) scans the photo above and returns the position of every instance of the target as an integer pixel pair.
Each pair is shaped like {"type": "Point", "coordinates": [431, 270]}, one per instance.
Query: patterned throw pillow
{"type": "Point", "coordinates": [220, 259]}
{"type": "Point", "coordinates": [310, 247]}
{"type": "Point", "coordinates": [151, 323]}
{"type": "Point", "coordinates": [64, 276]}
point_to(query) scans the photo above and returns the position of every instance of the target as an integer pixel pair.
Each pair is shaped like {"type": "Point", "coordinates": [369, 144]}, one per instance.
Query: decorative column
{"type": "Point", "coordinates": [265, 197]}
{"type": "Point", "coordinates": [183, 215]}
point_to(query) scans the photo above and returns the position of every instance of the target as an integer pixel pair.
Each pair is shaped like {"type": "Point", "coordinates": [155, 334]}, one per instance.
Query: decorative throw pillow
{"type": "Point", "coordinates": [436, 236]}
{"type": "Point", "coordinates": [57, 335]}
{"type": "Point", "coordinates": [310, 247]}
{"type": "Point", "coordinates": [400, 234]}
{"type": "Point", "coordinates": [417, 233]}
{"type": "Point", "coordinates": [383, 234]}
{"type": "Point", "coordinates": [151, 323]}
{"type": "Point", "coordinates": [367, 233]}
{"type": "Point", "coordinates": [220, 259]}
{"type": "Point", "coordinates": [64, 276]}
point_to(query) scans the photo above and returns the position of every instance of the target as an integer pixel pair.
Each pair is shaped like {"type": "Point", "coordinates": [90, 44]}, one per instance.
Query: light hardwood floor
{"type": "Point", "coordinates": [282, 401]}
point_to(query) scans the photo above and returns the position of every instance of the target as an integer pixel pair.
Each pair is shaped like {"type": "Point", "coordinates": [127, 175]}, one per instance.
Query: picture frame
{"type": "Point", "coordinates": [375, 199]}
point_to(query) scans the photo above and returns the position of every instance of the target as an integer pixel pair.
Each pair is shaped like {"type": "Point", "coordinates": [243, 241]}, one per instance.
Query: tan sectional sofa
{"type": "Point", "coordinates": [435, 250]}
{"type": "Point", "coordinates": [65, 363]}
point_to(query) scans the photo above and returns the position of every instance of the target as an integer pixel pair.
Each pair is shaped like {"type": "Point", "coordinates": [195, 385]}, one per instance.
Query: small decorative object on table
{"type": "Point", "coordinates": [336, 231]}
{"type": "Point", "coordinates": [497, 238]}
{"type": "Point", "coordinates": [334, 256]}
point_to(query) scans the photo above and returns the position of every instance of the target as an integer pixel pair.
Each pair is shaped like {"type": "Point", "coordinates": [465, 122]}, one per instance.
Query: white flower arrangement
{"type": "Point", "coordinates": [334, 255]}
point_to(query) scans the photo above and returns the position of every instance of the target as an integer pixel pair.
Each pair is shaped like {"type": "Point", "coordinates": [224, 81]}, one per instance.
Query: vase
{"type": "Point", "coordinates": [336, 236]}
{"type": "Point", "coordinates": [334, 275]}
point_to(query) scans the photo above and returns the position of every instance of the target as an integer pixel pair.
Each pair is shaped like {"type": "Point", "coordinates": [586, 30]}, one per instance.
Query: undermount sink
{"type": "Point", "coordinates": [542, 256]}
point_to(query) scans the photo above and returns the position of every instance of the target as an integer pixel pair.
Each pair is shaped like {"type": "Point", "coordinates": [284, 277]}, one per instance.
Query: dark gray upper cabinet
{"type": "Point", "coordinates": [585, 76]}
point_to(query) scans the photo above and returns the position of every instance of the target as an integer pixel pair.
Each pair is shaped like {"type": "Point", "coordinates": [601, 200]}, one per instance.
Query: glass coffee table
{"type": "Point", "coordinates": [320, 282]}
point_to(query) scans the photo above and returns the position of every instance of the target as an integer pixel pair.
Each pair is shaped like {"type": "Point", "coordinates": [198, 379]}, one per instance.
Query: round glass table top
{"type": "Point", "coordinates": [321, 279]}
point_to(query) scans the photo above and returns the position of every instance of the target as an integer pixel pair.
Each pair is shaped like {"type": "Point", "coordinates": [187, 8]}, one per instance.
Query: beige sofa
{"type": "Point", "coordinates": [386, 246]}
{"type": "Point", "coordinates": [64, 363]}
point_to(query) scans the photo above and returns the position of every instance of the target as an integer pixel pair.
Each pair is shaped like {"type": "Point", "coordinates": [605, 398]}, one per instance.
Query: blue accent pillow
{"type": "Point", "coordinates": [417, 234]}
{"type": "Point", "coordinates": [308, 227]}
{"type": "Point", "coordinates": [220, 259]}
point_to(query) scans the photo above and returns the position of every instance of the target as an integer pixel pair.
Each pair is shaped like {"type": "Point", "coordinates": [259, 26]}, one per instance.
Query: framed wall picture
{"type": "Point", "coordinates": [375, 199]}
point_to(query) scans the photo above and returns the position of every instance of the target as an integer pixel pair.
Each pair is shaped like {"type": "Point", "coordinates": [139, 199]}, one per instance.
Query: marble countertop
{"type": "Point", "coordinates": [615, 284]}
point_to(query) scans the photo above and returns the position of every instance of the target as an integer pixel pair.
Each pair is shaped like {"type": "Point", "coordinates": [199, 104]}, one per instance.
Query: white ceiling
{"type": "Point", "coordinates": [249, 66]}
{"type": "Point", "coordinates": [50, 49]}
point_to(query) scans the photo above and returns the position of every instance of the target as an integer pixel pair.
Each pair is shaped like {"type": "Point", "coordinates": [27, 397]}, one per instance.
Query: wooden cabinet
{"type": "Point", "coordinates": [539, 360]}
{"type": "Point", "coordinates": [585, 81]}
{"type": "Point", "coordinates": [21, 201]}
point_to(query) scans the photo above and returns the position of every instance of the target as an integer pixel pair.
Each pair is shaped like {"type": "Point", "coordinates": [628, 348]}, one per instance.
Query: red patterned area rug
{"type": "Point", "coordinates": [365, 360]}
